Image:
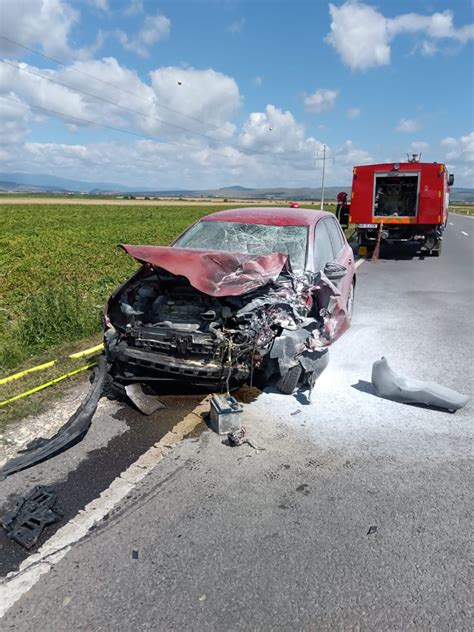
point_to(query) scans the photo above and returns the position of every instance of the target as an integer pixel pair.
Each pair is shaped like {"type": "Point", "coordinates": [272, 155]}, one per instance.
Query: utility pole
{"type": "Point", "coordinates": [323, 158]}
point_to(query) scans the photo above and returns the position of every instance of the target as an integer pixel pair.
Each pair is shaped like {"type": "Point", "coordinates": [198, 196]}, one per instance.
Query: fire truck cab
{"type": "Point", "coordinates": [403, 201]}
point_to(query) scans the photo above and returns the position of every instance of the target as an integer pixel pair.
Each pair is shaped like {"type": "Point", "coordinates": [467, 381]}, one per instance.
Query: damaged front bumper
{"type": "Point", "coordinates": [132, 364]}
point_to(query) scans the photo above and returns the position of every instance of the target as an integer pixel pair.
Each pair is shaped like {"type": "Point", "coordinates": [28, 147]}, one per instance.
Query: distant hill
{"type": "Point", "coordinates": [48, 183]}
{"type": "Point", "coordinates": [245, 193]}
{"type": "Point", "coordinates": [44, 183]}
{"type": "Point", "coordinates": [461, 195]}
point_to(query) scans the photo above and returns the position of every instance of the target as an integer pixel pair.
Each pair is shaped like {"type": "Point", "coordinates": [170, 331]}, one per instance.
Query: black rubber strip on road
{"type": "Point", "coordinates": [68, 435]}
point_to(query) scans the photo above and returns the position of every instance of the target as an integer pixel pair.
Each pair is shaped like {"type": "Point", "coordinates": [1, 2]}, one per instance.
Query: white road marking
{"type": "Point", "coordinates": [17, 583]}
{"type": "Point", "coordinates": [359, 263]}
{"type": "Point", "coordinates": [464, 233]}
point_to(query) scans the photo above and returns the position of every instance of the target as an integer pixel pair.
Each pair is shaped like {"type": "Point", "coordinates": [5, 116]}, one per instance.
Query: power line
{"type": "Point", "coordinates": [108, 83]}
{"type": "Point", "coordinates": [105, 126]}
{"type": "Point", "coordinates": [124, 107]}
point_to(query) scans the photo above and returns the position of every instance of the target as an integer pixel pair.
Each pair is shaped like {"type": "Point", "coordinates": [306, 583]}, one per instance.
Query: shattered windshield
{"type": "Point", "coordinates": [254, 239]}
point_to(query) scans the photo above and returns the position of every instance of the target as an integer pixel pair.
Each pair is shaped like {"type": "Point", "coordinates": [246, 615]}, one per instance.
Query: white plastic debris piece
{"type": "Point", "coordinates": [408, 391]}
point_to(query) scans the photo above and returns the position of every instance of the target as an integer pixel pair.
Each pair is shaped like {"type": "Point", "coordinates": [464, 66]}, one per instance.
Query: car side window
{"type": "Point", "coordinates": [323, 251]}
{"type": "Point", "coordinates": [336, 236]}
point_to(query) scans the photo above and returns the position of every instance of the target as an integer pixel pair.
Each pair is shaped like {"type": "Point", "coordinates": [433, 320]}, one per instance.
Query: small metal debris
{"type": "Point", "coordinates": [145, 402]}
{"type": "Point", "coordinates": [372, 530]}
{"type": "Point", "coordinates": [32, 514]}
{"type": "Point", "coordinates": [237, 437]}
{"type": "Point", "coordinates": [296, 412]}
{"type": "Point", "coordinates": [134, 554]}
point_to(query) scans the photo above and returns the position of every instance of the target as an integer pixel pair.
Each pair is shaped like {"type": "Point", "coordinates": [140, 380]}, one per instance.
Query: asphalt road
{"type": "Point", "coordinates": [355, 514]}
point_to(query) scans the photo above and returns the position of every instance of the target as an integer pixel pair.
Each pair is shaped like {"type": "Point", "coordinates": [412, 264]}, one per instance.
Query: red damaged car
{"type": "Point", "coordinates": [244, 291]}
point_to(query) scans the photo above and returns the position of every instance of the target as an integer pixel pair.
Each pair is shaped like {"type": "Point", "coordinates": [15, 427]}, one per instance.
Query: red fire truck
{"type": "Point", "coordinates": [400, 201]}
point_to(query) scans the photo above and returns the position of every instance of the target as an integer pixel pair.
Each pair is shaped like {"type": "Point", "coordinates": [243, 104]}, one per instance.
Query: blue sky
{"type": "Point", "coordinates": [252, 89]}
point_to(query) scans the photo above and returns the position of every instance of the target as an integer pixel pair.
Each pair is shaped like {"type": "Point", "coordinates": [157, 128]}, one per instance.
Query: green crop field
{"type": "Point", "coordinates": [58, 265]}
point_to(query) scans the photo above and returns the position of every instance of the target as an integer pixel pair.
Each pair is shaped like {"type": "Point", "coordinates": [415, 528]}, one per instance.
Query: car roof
{"type": "Point", "coordinates": [272, 216]}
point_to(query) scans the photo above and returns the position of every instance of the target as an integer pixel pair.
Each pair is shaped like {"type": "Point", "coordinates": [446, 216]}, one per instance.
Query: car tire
{"type": "Point", "coordinates": [288, 382]}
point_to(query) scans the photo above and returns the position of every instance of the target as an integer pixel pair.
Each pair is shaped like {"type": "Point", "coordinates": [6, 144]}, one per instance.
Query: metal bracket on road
{"type": "Point", "coordinates": [32, 514]}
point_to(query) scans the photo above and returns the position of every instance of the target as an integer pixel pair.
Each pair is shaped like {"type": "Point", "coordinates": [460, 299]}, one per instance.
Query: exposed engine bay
{"type": "Point", "coordinates": [160, 327]}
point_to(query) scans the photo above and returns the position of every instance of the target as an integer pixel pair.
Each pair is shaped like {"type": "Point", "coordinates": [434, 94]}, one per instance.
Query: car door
{"type": "Point", "coordinates": [330, 245]}
{"type": "Point", "coordinates": [342, 252]}
{"type": "Point", "coordinates": [323, 249]}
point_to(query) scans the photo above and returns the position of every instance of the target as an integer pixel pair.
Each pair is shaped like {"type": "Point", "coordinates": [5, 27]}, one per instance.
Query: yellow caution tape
{"type": "Point", "coordinates": [46, 384]}
{"type": "Point", "coordinates": [86, 352]}
{"type": "Point", "coordinates": [39, 367]}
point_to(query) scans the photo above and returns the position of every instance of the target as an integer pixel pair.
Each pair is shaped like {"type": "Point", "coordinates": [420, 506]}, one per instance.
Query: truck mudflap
{"type": "Point", "coordinates": [389, 385]}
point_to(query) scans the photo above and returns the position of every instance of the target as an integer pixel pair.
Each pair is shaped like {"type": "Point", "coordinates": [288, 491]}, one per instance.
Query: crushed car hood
{"type": "Point", "coordinates": [216, 273]}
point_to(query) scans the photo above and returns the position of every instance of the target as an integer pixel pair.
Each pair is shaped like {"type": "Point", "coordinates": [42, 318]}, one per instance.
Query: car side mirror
{"type": "Point", "coordinates": [451, 179]}
{"type": "Point", "coordinates": [334, 271]}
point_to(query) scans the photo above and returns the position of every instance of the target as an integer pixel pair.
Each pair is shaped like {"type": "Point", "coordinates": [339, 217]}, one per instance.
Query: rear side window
{"type": "Point", "coordinates": [336, 235]}
{"type": "Point", "coordinates": [323, 252]}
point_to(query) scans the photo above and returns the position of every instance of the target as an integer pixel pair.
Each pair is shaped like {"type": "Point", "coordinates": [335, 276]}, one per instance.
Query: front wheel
{"type": "Point", "coordinates": [288, 382]}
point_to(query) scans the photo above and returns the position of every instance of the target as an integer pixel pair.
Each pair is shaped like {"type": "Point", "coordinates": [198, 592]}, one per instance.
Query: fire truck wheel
{"type": "Point", "coordinates": [437, 252]}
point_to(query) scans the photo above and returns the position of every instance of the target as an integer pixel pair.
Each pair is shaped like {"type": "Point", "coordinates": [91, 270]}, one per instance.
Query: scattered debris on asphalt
{"type": "Point", "coordinates": [372, 530]}
{"type": "Point", "coordinates": [238, 437]}
{"type": "Point", "coordinates": [304, 489]}
{"type": "Point", "coordinates": [147, 403]}
{"type": "Point", "coordinates": [226, 414]}
{"type": "Point", "coordinates": [389, 385]}
{"type": "Point", "coordinates": [41, 449]}
{"type": "Point", "coordinates": [32, 514]}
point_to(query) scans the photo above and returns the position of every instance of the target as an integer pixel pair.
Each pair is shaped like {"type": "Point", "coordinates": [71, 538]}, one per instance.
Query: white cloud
{"type": "Point", "coordinates": [206, 95]}
{"type": "Point", "coordinates": [419, 146]}
{"type": "Point", "coordinates": [102, 5]}
{"type": "Point", "coordinates": [272, 130]}
{"type": "Point", "coordinates": [16, 119]}
{"type": "Point", "coordinates": [320, 101]}
{"type": "Point", "coordinates": [359, 35]}
{"type": "Point", "coordinates": [257, 81]}
{"type": "Point", "coordinates": [353, 113]}
{"type": "Point", "coordinates": [155, 28]}
{"type": "Point", "coordinates": [236, 27]}
{"type": "Point", "coordinates": [427, 48]}
{"type": "Point", "coordinates": [151, 164]}
{"type": "Point", "coordinates": [459, 156]}
{"type": "Point", "coordinates": [46, 23]}
{"type": "Point", "coordinates": [408, 126]}
{"type": "Point", "coordinates": [135, 7]}
{"type": "Point", "coordinates": [459, 150]}
{"type": "Point", "coordinates": [362, 35]}
{"type": "Point", "coordinates": [189, 99]}
{"type": "Point", "coordinates": [50, 95]}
